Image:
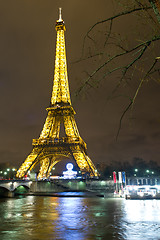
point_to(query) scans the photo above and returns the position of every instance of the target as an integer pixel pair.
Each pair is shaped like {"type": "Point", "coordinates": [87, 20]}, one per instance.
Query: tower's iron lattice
{"type": "Point", "coordinates": [50, 148]}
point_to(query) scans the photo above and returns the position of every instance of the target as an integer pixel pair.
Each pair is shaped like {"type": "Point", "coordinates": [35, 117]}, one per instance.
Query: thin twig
{"type": "Point", "coordinates": [144, 45]}
{"type": "Point", "coordinates": [128, 107]}
{"type": "Point", "coordinates": [91, 56]}
{"type": "Point", "coordinates": [134, 97]}
{"type": "Point", "coordinates": [109, 33]}
{"type": "Point", "coordinates": [110, 19]}
{"type": "Point", "coordinates": [120, 121]}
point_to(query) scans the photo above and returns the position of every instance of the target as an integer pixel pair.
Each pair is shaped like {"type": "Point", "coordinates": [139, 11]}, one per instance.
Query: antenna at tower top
{"type": "Point", "coordinates": [60, 15]}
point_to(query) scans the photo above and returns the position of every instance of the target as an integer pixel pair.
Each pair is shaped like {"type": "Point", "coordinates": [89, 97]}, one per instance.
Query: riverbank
{"type": "Point", "coordinates": [66, 194]}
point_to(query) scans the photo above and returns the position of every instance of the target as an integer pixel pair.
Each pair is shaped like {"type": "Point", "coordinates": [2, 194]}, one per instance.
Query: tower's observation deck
{"type": "Point", "coordinates": [50, 147]}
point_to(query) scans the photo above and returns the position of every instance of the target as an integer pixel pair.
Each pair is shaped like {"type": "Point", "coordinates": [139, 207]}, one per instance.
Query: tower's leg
{"type": "Point", "coordinates": [28, 164]}
{"type": "Point", "coordinates": [94, 170]}
{"type": "Point", "coordinates": [84, 163]}
{"type": "Point", "coordinates": [51, 127]}
{"type": "Point", "coordinates": [55, 130]}
{"type": "Point", "coordinates": [70, 126]}
{"type": "Point", "coordinates": [47, 126]}
{"type": "Point", "coordinates": [52, 164]}
{"type": "Point", "coordinates": [44, 166]}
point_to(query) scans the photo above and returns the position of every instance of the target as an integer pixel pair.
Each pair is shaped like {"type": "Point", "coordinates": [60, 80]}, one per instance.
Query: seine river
{"type": "Point", "coordinates": [36, 218]}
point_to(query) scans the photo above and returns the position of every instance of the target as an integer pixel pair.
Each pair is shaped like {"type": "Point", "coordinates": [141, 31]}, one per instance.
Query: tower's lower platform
{"type": "Point", "coordinates": [47, 152]}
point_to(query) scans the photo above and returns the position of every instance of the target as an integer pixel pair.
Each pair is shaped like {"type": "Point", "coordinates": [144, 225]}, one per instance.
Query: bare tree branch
{"type": "Point", "coordinates": [126, 59]}
{"type": "Point", "coordinates": [111, 19]}
{"type": "Point", "coordinates": [142, 47]}
{"type": "Point", "coordinates": [109, 33]}
{"type": "Point", "coordinates": [128, 107]}
{"type": "Point", "coordinates": [132, 101]}
{"type": "Point", "coordinates": [156, 7]}
{"type": "Point", "coordinates": [91, 56]}
{"type": "Point", "coordinates": [120, 121]}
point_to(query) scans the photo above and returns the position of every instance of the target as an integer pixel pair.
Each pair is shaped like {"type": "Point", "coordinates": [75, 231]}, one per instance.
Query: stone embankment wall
{"type": "Point", "coordinates": [62, 185]}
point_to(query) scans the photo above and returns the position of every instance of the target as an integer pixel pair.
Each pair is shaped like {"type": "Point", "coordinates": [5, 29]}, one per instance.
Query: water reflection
{"type": "Point", "coordinates": [141, 219]}
{"type": "Point", "coordinates": [37, 218]}
{"type": "Point", "coordinates": [72, 217]}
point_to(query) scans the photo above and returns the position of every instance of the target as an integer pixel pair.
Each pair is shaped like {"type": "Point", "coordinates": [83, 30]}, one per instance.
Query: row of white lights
{"type": "Point", "coordinates": [8, 169]}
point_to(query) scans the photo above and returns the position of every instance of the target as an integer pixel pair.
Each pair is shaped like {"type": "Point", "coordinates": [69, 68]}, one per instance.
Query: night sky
{"type": "Point", "coordinates": [27, 52]}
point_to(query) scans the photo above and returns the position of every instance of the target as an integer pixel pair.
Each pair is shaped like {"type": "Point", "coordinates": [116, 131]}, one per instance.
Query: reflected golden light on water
{"type": "Point", "coordinates": [37, 218]}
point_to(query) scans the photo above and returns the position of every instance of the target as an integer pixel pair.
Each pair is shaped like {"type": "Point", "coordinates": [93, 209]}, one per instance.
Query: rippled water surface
{"type": "Point", "coordinates": [37, 218]}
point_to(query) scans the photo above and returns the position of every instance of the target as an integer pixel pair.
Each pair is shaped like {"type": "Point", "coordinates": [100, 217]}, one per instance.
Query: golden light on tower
{"type": "Point", "coordinates": [50, 148]}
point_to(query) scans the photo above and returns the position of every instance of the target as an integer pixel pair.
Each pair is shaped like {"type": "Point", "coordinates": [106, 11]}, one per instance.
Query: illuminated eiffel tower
{"type": "Point", "coordinates": [50, 148]}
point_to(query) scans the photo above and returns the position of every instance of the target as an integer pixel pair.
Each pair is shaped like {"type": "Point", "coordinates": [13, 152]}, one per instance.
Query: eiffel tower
{"type": "Point", "coordinates": [50, 148]}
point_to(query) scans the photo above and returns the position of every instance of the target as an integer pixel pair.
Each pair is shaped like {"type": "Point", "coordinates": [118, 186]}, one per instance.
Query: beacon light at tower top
{"type": "Point", "coordinates": [50, 148]}
{"type": "Point", "coordinates": [60, 15]}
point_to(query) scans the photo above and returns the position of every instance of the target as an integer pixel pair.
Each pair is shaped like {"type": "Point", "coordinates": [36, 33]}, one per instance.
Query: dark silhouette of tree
{"type": "Point", "coordinates": [154, 167]}
{"type": "Point", "coordinates": [129, 55]}
{"type": "Point", "coordinates": [9, 169]}
{"type": "Point", "coordinates": [137, 168]}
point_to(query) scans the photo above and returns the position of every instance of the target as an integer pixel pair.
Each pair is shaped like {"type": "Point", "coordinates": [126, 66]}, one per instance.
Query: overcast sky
{"type": "Point", "coordinates": [27, 52]}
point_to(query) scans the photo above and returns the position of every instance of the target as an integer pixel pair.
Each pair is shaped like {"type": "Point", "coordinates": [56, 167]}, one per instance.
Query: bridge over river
{"type": "Point", "coordinates": [9, 188]}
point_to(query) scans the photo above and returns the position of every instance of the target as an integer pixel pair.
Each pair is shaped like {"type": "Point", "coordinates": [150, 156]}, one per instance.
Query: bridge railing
{"type": "Point", "coordinates": [14, 180]}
